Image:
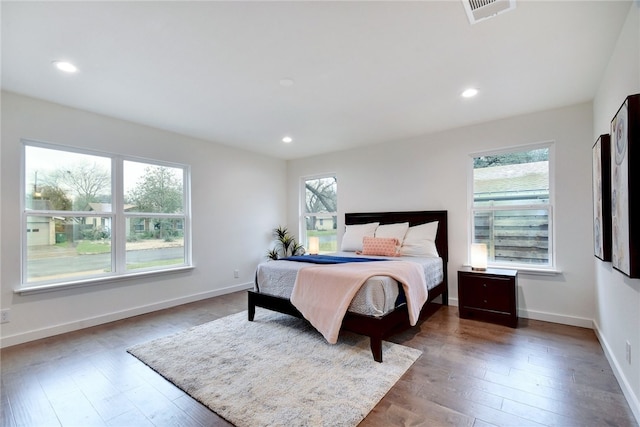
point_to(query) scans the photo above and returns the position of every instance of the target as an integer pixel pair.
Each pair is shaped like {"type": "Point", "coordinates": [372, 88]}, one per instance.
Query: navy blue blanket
{"type": "Point", "coordinates": [329, 259]}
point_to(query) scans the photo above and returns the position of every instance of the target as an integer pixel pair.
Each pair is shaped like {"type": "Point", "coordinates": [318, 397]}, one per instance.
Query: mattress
{"type": "Point", "coordinates": [376, 297]}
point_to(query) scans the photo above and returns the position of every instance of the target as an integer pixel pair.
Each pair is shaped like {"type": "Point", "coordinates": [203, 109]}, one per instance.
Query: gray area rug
{"type": "Point", "coordinates": [276, 371]}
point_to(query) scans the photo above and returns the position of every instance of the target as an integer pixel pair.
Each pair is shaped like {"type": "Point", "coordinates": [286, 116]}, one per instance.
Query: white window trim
{"type": "Point", "coordinates": [549, 269]}
{"type": "Point", "coordinates": [93, 281]}
{"type": "Point", "coordinates": [118, 254]}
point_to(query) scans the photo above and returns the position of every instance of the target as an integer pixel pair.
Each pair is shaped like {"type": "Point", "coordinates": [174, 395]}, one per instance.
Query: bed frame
{"type": "Point", "coordinates": [376, 328]}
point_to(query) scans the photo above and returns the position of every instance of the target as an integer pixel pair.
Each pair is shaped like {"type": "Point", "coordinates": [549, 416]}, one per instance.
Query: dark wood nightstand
{"type": "Point", "coordinates": [488, 295]}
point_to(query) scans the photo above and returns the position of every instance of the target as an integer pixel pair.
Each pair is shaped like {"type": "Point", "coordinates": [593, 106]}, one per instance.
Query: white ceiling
{"type": "Point", "coordinates": [364, 72]}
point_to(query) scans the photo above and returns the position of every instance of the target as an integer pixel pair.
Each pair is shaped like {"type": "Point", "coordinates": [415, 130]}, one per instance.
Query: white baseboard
{"type": "Point", "coordinates": [556, 318]}
{"type": "Point", "coordinates": [627, 390]}
{"type": "Point", "coordinates": [112, 317]}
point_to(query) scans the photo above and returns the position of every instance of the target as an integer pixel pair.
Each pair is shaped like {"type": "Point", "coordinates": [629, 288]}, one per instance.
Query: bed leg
{"type": "Point", "coordinates": [376, 348]}
{"type": "Point", "coordinates": [251, 311]}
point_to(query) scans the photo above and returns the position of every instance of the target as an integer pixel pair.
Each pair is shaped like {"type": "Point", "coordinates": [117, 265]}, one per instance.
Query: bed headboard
{"type": "Point", "coordinates": [413, 218]}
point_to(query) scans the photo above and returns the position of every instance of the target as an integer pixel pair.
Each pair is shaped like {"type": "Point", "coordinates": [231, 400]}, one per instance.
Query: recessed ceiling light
{"type": "Point", "coordinates": [67, 67]}
{"type": "Point", "coordinates": [470, 93]}
{"type": "Point", "coordinates": [287, 139]}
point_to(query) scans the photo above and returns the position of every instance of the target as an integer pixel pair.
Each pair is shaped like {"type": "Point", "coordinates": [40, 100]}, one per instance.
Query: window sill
{"type": "Point", "coordinates": [51, 287]}
{"type": "Point", "coordinates": [538, 271]}
{"type": "Point", "coordinates": [526, 270]}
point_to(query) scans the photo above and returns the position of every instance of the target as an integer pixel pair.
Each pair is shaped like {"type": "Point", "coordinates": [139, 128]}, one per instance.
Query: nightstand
{"type": "Point", "coordinates": [490, 295]}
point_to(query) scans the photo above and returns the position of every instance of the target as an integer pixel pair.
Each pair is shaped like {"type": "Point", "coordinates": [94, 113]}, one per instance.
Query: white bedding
{"type": "Point", "coordinates": [376, 297]}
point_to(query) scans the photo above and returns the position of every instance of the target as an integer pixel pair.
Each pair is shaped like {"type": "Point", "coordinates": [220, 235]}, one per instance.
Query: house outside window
{"type": "Point", "coordinates": [100, 215]}
{"type": "Point", "coordinates": [319, 200]}
{"type": "Point", "coordinates": [512, 206]}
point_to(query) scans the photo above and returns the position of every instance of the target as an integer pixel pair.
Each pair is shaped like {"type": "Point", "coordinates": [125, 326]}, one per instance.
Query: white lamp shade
{"type": "Point", "coordinates": [314, 245]}
{"type": "Point", "coordinates": [479, 256]}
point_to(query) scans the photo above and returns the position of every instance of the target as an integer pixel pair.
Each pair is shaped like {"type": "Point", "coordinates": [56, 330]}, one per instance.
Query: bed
{"type": "Point", "coordinates": [376, 322]}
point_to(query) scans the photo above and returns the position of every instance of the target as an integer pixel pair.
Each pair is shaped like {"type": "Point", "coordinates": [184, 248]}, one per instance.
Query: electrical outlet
{"type": "Point", "coordinates": [236, 274]}
{"type": "Point", "coordinates": [628, 352]}
{"type": "Point", "coordinates": [5, 316]}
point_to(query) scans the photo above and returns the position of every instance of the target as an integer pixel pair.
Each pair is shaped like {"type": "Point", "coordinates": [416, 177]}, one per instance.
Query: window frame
{"type": "Point", "coordinates": [302, 226]}
{"type": "Point", "coordinates": [118, 222]}
{"type": "Point", "coordinates": [549, 268]}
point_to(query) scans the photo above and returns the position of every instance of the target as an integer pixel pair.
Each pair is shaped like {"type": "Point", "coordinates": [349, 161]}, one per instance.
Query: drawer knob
{"type": "Point", "coordinates": [484, 285]}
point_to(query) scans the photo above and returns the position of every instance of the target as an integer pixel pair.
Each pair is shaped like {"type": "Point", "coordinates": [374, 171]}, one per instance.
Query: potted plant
{"type": "Point", "coordinates": [285, 246]}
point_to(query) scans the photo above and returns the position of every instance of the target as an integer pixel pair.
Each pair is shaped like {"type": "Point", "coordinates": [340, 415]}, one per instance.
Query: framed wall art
{"type": "Point", "coordinates": [601, 157]}
{"type": "Point", "coordinates": [625, 187]}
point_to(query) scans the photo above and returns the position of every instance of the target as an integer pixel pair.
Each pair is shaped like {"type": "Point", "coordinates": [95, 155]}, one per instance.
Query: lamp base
{"type": "Point", "coordinates": [478, 268]}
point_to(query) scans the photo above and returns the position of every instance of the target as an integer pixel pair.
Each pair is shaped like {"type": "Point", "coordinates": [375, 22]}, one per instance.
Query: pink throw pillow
{"type": "Point", "coordinates": [384, 246]}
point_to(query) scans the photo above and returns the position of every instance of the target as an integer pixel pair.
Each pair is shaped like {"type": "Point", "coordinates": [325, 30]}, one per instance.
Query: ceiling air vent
{"type": "Point", "coordinates": [479, 10]}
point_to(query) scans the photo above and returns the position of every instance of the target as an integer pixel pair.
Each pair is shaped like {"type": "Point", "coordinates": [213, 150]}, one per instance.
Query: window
{"type": "Point", "coordinates": [511, 206]}
{"type": "Point", "coordinates": [320, 211]}
{"type": "Point", "coordinates": [100, 215]}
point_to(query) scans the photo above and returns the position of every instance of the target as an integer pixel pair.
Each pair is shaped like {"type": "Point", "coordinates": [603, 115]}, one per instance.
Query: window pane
{"type": "Point", "coordinates": [152, 188]}
{"type": "Point", "coordinates": [154, 242]}
{"type": "Point", "coordinates": [325, 228]}
{"type": "Point", "coordinates": [511, 178]}
{"type": "Point", "coordinates": [63, 248]}
{"type": "Point", "coordinates": [321, 201]}
{"type": "Point", "coordinates": [515, 236]}
{"type": "Point", "coordinates": [321, 195]}
{"type": "Point", "coordinates": [66, 181]}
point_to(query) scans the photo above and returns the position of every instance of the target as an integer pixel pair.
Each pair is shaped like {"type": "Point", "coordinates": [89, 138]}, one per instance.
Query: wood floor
{"type": "Point", "coordinates": [470, 374]}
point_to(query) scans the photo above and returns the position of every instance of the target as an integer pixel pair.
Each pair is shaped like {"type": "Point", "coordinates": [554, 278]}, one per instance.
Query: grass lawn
{"type": "Point", "coordinates": [93, 247]}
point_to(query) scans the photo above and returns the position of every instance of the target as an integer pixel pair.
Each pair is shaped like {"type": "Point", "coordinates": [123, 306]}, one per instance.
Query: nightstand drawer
{"type": "Point", "coordinates": [488, 292]}
{"type": "Point", "coordinates": [488, 295]}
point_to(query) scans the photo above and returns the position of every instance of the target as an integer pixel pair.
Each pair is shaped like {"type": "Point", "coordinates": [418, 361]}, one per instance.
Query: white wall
{"type": "Point", "coordinates": [430, 172]}
{"type": "Point", "coordinates": [237, 199]}
{"type": "Point", "coordinates": [618, 297]}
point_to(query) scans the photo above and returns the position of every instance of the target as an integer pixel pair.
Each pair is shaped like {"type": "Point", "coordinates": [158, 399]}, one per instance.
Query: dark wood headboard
{"type": "Point", "coordinates": [413, 218]}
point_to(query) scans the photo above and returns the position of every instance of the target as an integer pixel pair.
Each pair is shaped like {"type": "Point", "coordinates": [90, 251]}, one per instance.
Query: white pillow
{"type": "Point", "coordinates": [395, 231]}
{"type": "Point", "coordinates": [353, 235]}
{"type": "Point", "coordinates": [420, 240]}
